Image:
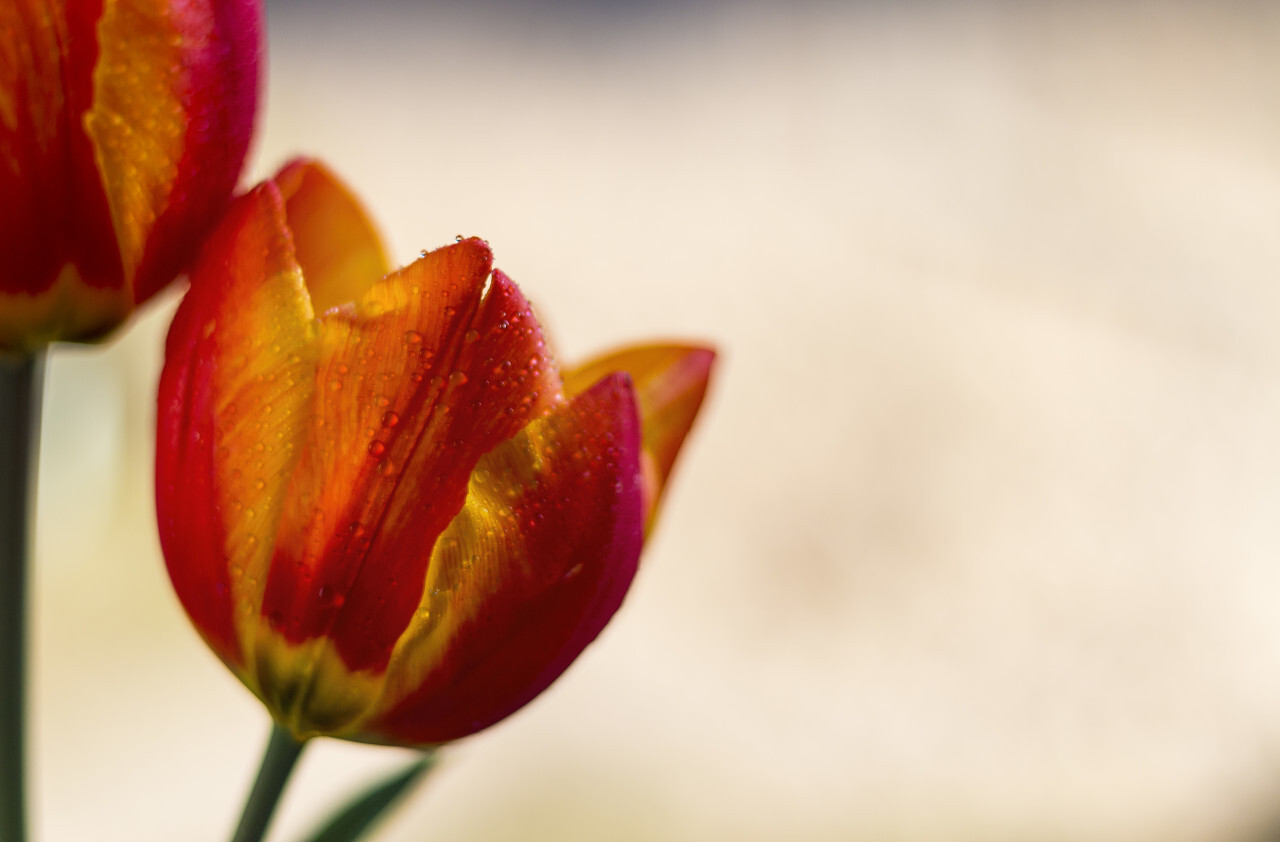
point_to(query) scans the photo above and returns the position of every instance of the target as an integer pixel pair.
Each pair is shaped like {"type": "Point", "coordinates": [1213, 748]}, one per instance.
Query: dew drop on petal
{"type": "Point", "coordinates": [329, 596]}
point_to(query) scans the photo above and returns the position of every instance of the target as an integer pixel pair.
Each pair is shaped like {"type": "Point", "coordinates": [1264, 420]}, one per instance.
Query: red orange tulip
{"type": "Point", "coordinates": [381, 501]}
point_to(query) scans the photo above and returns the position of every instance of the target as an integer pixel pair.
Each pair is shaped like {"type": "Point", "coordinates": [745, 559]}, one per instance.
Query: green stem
{"type": "Point", "coordinates": [277, 762]}
{"type": "Point", "coordinates": [21, 378]}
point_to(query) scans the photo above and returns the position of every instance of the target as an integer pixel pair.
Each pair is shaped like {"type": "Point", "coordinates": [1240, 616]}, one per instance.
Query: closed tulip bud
{"type": "Point", "coordinates": [123, 127]}
{"type": "Point", "coordinates": [380, 500]}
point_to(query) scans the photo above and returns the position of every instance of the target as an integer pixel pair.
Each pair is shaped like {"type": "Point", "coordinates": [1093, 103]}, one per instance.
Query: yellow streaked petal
{"type": "Point", "coordinates": [138, 121]}
{"type": "Point", "coordinates": [238, 376]}
{"type": "Point", "coordinates": [264, 380]}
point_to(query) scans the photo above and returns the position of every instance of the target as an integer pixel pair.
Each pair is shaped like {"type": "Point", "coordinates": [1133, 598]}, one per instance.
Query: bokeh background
{"type": "Point", "coordinates": [977, 538]}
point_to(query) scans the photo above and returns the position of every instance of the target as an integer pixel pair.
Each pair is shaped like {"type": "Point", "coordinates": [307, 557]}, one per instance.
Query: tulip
{"type": "Point", "coordinates": [380, 501]}
{"type": "Point", "coordinates": [123, 127]}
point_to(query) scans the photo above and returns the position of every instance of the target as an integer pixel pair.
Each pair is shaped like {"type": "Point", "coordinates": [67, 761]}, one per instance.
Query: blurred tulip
{"type": "Point", "coordinates": [123, 127]}
{"type": "Point", "coordinates": [379, 501]}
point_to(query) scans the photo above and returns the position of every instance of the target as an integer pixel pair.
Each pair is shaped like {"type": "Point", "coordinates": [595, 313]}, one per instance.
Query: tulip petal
{"type": "Point", "coordinates": [60, 272]}
{"type": "Point", "coordinates": [436, 364]}
{"type": "Point", "coordinates": [337, 246]}
{"type": "Point", "coordinates": [174, 96]}
{"type": "Point", "coordinates": [526, 575]}
{"type": "Point", "coordinates": [234, 397]}
{"type": "Point", "coordinates": [671, 382]}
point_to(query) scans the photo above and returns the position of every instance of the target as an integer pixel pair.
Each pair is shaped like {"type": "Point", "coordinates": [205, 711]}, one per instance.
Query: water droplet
{"type": "Point", "coordinates": [471, 335]}
{"type": "Point", "coordinates": [412, 337]}
{"type": "Point", "coordinates": [457, 378]}
{"type": "Point", "coordinates": [377, 449]}
{"type": "Point", "coordinates": [328, 596]}
{"type": "Point", "coordinates": [335, 384]}
{"type": "Point", "coordinates": [390, 419]}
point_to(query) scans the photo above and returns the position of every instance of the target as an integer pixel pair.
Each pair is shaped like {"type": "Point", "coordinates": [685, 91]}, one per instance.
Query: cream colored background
{"type": "Point", "coordinates": [977, 538]}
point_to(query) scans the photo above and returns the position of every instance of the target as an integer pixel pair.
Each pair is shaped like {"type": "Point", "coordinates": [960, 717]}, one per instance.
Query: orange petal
{"type": "Point", "coordinates": [670, 381]}
{"type": "Point", "coordinates": [174, 97]}
{"type": "Point", "coordinates": [339, 249]}
{"type": "Point", "coordinates": [60, 272]}
{"type": "Point", "coordinates": [526, 575]}
{"type": "Point", "coordinates": [433, 367]}
{"type": "Point", "coordinates": [234, 396]}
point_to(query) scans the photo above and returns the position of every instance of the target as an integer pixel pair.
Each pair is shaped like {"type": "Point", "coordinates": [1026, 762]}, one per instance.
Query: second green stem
{"type": "Point", "coordinates": [21, 381]}
{"type": "Point", "coordinates": [278, 761]}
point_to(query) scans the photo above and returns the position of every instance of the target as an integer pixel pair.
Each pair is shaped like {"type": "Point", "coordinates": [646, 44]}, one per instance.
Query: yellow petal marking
{"type": "Point", "coordinates": [138, 123]}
